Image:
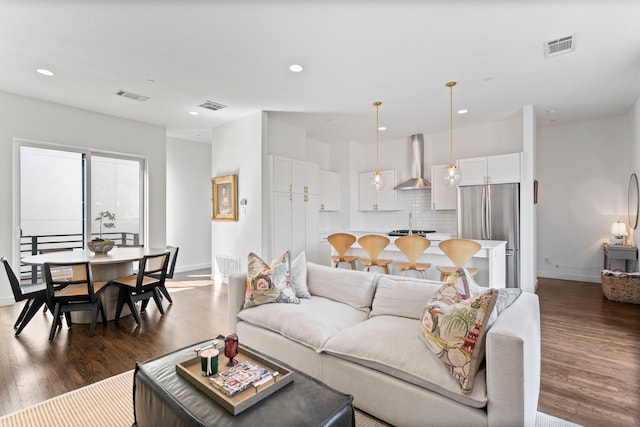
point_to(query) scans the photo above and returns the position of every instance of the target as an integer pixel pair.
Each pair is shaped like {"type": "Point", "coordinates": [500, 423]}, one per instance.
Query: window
{"type": "Point", "coordinates": [56, 187]}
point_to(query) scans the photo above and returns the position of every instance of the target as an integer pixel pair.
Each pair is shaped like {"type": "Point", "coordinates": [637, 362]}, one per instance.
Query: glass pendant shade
{"type": "Point", "coordinates": [377, 181]}
{"type": "Point", "coordinates": [452, 175]}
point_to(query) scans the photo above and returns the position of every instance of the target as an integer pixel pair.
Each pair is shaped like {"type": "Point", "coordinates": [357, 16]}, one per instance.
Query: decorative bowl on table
{"type": "Point", "coordinates": [100, 247]}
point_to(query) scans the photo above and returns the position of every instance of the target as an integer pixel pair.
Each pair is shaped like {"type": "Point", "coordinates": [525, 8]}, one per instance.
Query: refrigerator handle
{"type": "Point", "coordinates": [483, 228]}
{"type": "Point", "coordinates": [489, 231]}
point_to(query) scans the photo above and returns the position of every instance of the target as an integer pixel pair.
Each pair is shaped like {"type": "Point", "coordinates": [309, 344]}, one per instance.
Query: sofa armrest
{"type": "Point", "coordinates": [237, 287]}
{"type": "Point", "coordinates": [513, 364]}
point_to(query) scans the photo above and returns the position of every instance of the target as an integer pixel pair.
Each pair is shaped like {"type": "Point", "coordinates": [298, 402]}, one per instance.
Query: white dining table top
{"type": "Point", "coordinates": [115, 256]}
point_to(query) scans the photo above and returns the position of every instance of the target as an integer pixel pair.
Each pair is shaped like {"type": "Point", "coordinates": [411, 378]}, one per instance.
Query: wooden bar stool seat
{"type": "Point", "coordinates": [459, 252]}
{"type": "Point", "coordinates": [341, 242]}
{"type": "Point", "coordinates": [373, 244]}
{"type": "Point", "coordinates": [412, 247]}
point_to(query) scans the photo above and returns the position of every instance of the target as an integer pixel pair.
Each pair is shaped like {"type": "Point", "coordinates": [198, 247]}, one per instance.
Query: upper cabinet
{"type": "Point", "coordinates": [377, 200]}
{"type": "Point", "coordinates": [443, 195]}
{"type": "Point", "coordinates": [501, 169]}
{"type": "Point", "coordinates": [294, 176]}
{"type": "Point", "coordinates": [328, 191]}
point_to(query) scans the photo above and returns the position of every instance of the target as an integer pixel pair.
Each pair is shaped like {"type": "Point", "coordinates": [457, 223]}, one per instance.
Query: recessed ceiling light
{"type": "Point", "coordinates": [194, 113]}
{"type": "Point", "coordinates": [382, 128]}
{"type": "Point", "coordinates": [45, 72]}
{"type": "Point", "coordinates": [296, 68]}
{"type": "Point", "coordinates": [463, 111]}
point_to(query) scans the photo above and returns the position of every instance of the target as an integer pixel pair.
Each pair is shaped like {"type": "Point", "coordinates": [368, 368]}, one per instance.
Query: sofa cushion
{"type": "Point", "coordinates": [311, 323]}
{"type": "Point", "coordinates": [299, 276]}
{"type": "Point", "coordinates": [454, 329]}
{"type": "Point", "coordinates": [404, 298]}
{"type": "Point", "coordinates": [268, 283]}
{"type": "Point", "coordinates": [355, 288]}
{"type": "Point", "coordinates": [391, 344]}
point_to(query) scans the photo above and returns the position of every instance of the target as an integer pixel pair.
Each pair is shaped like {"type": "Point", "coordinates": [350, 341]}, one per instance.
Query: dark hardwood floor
{"type": "Point", "coordinates": [590, 350]}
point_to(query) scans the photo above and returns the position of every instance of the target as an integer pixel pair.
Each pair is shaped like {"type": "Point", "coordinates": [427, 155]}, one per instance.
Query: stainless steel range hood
{"type": "Point", "coordinates": [417, 182]}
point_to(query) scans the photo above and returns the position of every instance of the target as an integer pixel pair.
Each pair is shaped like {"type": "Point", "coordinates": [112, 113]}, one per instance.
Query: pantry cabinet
{"type": "Point", "coordinates": [371, 199]}
{"type": "Point", "coordinates": [443, 195]}
{"type": "Point", "coordinates": [500, 169]}
{"type": "Point", "coordinates": [294, 207]}
{"type": "Point", "coordinates": [328, 191]}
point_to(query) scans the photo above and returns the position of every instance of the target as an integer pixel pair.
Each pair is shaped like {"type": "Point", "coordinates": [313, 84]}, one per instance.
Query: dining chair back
{"type": "Point", "coordinates": [459, 251]}
{"type": "Point", "coordinates": [35, 295]}
{"type": "Point", "coordinates": [373, 244]}
{"type": "Point", "coordinates": [341, 242]}
{"type": "Point", "coordinates": [75, 292]}
{"type": "Point", "coordinates": [173, 256]}
{"type": "Point", "coordinates": [143, 285]}
{"type": "Point", "coordinates": [412, 246]}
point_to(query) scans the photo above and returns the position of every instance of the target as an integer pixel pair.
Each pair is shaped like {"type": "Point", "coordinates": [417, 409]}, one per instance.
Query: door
{"type": "Point", "coordinates": [504, 224]}
{"type": "Point", "coordinates": [471, 212]}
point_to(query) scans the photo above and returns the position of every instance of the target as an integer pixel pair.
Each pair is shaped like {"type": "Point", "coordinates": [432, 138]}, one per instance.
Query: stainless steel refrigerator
{"type": "Point", "coordinates": [492, 212]}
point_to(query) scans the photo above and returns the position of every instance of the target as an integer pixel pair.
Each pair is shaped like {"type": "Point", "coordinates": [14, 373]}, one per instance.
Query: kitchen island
{"type": "Point", "coordinates": [490, 259]}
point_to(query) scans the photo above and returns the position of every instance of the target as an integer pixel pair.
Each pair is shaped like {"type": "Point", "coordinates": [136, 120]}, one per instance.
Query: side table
{"type": "Point", "coordinates": [162, 397]}
{"type": "Point", "coordinates": [624, 253]}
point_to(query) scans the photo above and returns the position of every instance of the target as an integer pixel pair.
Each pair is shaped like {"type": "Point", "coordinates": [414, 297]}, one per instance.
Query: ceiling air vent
{"type": "Point", "coordinates": [559, 46]}
{"type": "Point", "coordinates": [131, 95]}
{"type": "Point", "coordinates": [210, 105]}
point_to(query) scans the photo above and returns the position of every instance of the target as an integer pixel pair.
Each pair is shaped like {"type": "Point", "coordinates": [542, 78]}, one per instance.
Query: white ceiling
{"type": "Point", "coordinates": [237, 53]}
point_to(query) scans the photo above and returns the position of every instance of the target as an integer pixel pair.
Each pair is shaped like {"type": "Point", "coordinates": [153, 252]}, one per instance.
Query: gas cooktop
{"type": "Point", "coordinates": [406, 232]}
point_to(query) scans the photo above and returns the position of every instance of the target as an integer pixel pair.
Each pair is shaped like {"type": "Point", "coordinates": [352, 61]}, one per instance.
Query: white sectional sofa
{"type": "Point", "coordinates": [360, 334]}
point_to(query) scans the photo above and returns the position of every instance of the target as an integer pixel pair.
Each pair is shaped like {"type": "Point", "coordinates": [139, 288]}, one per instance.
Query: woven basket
{"type": "Point", "coordinates": [621, 288]}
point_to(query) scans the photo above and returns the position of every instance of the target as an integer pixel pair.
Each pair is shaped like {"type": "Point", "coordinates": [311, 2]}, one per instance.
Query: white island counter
{"type": "Point", "coordinates": [490, 259]}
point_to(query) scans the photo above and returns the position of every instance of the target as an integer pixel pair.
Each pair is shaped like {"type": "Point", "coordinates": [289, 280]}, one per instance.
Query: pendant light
{"type": "Point", "coordinates": [452, 176]}
{"type": "Point", "coordinates": [377, 182]}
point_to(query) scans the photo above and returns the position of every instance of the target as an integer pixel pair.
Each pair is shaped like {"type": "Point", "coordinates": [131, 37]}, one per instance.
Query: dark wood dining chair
{"type": "Point", "coordinates": [80, 293]}
{"type": "Point", "coordinates": [173, 255]}
{"type": "Point", "coordinates": [143, 285]}
{"type": "Point", "coordinates": [35, 295]}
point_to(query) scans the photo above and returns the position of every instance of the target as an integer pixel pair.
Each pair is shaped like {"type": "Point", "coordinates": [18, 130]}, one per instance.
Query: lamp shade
{"type": "Point", "coordinates": [619, 229]}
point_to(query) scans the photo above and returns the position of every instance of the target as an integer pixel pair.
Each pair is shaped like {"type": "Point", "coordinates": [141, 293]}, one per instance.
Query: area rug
{"type": "Point", "coordinates": [109, 403]}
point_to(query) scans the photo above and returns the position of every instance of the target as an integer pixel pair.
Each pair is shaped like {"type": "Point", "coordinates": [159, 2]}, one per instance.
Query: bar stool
{"type": "Point", "coordinates": [412, 247]}
{"type": "Point", "coordinates": [459, 252]}
{"type": "Point", "coordinates": [341, 242]}
{"type": "Point", "coordinates": [373, 244]}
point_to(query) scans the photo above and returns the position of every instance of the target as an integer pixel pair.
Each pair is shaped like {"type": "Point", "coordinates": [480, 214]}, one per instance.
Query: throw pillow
{"type": "Point", "coordinates": [299, 276]}
{"type": "Point", "coordinates": [454, 328]}
{"type": "Point", "coordinates": [269, 283]}
{"type": "Point", "coordinates": [469, 288]}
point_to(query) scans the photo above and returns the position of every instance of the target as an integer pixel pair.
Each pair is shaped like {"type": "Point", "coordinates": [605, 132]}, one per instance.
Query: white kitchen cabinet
{"type": "Point", "coordinates": [328, 191]}
{"type": "Point", "coordinates": [371, 199]}
{"type": "Point", "coordinates": [443, 195]}
{"type": "Point", "coordinates": [294, 207]}
{"type": "Point", "coordinates": [500, 169]}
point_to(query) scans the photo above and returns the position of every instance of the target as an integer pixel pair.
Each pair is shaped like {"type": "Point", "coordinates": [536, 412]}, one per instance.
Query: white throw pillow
{"type": "Point", "coordinates": [299, 276]}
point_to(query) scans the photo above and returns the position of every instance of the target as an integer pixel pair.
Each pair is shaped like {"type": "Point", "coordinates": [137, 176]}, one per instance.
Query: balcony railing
{"type": "Point", "coordinates": [34, 245]}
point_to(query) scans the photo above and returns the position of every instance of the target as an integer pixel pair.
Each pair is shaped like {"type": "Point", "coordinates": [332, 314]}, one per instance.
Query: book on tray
{"type": "Point", "coordinates": [240, 377]}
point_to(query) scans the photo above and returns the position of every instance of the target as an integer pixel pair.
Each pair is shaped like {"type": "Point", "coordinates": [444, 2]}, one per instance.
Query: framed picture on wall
{"type": "Point", "coordinates": [225, 198]}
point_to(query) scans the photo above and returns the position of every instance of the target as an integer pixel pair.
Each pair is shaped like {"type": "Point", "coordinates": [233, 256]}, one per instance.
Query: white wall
{"type": "Point", "coordinates": [31, 119]}
{"type": "Point", "coordinates": [582, 170]}
{"type": "Point", "coordinates": [237, 148]}
{"type": "Point", "coordinates": [189, 202]}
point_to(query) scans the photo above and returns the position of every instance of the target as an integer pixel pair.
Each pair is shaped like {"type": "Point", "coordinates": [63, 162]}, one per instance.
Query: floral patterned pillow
{"type": "Point", "coordinates": [454, 328]}
{"type": "Point", "coordinates": [269, 283]}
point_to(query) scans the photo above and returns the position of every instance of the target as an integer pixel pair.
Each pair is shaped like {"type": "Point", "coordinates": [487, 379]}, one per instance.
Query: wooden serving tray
{"type": "Point", "coordinates": [190, 370]}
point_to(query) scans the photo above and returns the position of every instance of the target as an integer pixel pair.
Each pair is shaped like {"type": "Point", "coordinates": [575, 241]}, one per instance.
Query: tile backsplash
{"type": "Point", "coordinates": [417, 202]}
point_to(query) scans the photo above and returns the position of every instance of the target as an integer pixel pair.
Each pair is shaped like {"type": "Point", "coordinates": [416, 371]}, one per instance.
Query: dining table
{"type": "Point", "coordinates": [118, 262]}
